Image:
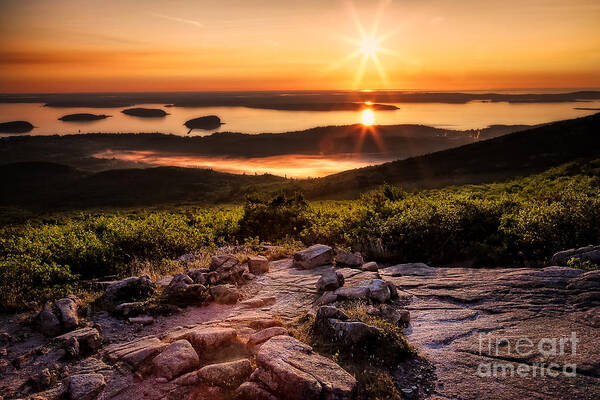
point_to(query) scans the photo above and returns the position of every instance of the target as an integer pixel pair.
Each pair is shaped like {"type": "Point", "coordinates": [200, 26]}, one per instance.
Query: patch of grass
{"type": "Point", "coordinates": [371, 366]}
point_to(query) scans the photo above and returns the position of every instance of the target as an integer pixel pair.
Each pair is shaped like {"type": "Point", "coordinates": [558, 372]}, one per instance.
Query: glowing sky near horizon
{"type": "Point", "coordinates": [126, 45]}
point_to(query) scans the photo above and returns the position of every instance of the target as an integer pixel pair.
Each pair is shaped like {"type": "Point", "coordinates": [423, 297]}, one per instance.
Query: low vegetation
{"type": "Point", "coordinates": [373, 363]}
{"type": "Point", "coordinates": [519, 222]}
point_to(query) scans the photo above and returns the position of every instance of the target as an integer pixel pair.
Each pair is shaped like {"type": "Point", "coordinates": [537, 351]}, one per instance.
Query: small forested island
{"type": "Point", "coordinates": [15, 127]}
{"type": "Point", "coordinates": [145, 112]}
{"type": "Point", "coordinates": [82, 117]}
{"type": "Point", "coordinates": [207, 123]}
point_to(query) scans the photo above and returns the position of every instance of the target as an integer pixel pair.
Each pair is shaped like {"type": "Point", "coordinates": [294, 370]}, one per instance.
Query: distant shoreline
{"type": "Point", "coordinates": [291, 101]}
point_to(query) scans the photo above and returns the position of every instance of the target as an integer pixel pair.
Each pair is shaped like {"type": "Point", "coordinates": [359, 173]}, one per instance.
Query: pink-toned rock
{"type": "Point", "coordinates": [136, 351]}
{"type": "Point", "coordinates": [203, 339]}
{"type": "Point", "coordinates": [227, 374]}
{"type": "Point", "coordinates": [370, 266]}
{"type": "Point", "coordinates": [258, 264]}
{"type": "Point", "coordinates": [253, 391]}
{"type": "Point", "coordinates": [266, 334]}
{"type": "Point", "coordinates": [312, 257]}
{"type": "Point", "coordinates": [179, 357]}
{"type": "Point", "coordinates": [292, 371]}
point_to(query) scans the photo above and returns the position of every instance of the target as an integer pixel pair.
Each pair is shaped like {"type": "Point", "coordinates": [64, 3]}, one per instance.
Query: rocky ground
{"type": "Point", "coordinates": [224, 333]}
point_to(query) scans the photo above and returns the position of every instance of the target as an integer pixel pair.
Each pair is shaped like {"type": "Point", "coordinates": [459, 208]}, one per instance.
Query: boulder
{"type": "Point", "coordinates": [198, 275]}
{"type": "Point", "coordinates": [352, 333]}
{"type": "Point", "coordinates": [353, 293]}
{"type": "Point", "coordinates": [370, 266]}
{"type": "Point", "coordinates": [182, 290]}
{"type": "Point", "coordinates": [204, 339]}
{"type": "Point", "coordinates": [130, 289]}
{"type": "Point", "coordinates": [253, 391]}
{"type": "Point", "coordinates": [312, 257]}
{"type": "Point", "coordinates": [177, 358]}
{"type": "Point", "coordinates": [292, 371]}
{"type": "Point", "coordinates": [587, 253]}
{"type": "Point", "coordinates": [85, 386]}
{"type": "Point", "coordinates": [330, 280]}
{"type": "Point", "coordinates": [89, 339]}
{"type": "Point", "coordinates": [68, 312]}
{"type": "Point", "coordinates": [348, 259]}
{"type": "Point", "coordinates": [223, 262]}
{"type": "Point", "coordinates": [48, 323]}
{"type": "Point", "coordinates": [228, 374]}
{"type": "Point", "coordinates": [135, 352]}
{"type": "Point", "coordinates": [258, 264]}
{"type": "Point", "coordinates": [266, 334]}
{"type": "Point", "coordinates": [224, 294]}
{"type": "Point", "coordinates": [378, 290]}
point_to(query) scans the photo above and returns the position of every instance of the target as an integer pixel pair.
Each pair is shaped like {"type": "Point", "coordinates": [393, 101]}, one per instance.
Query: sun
{"type": "Point", "coordinates": [369, 46]}
{"type": "Point", "coordinates": [367, 117]}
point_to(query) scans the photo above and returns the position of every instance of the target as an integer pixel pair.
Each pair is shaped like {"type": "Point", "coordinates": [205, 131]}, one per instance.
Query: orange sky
{"type": "Point", "coordinates": [125, 45]}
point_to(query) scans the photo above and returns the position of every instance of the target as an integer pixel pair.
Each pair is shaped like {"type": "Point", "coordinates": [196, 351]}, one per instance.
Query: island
{"type": "Point", "coordinates": [15, 127]}
{"type": "Point", "coordinates": [82, 117]}
{"type": "Point", "coordinates": [145, 112]}
{"type": "Point", "coordinates": [207, 123]}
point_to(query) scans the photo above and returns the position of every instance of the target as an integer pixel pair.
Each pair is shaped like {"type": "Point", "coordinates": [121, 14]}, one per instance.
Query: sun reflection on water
{"type": "Point", "coordinates": [367, 117]}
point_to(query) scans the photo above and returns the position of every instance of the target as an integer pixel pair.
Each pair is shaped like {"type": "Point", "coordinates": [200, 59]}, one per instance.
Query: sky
{"type": "Point", "coordinates": [178, 45]}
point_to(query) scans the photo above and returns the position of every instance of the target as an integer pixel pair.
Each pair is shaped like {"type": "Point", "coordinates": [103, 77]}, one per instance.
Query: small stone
{"type": "Point", "coordinates": [353, 293]}
{"type": "Point", "coordinates": [330, 280]}
{"type": "Point", "coordinates": [48, 323]}
{"type": "Point", "coordinates": [370, 266]}
{"type": "Point", "coordinates": [258, 264]}
{"type": "Point", "coordinates": [143, 319]}
{"type": "Point", "coordinates": [327, 298]}
{"type": "Point", "coordinates": [378, 290]}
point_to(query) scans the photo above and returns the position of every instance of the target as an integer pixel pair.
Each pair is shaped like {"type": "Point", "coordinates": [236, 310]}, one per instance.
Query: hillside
{"type": "Point", "coordinates": [50, 185]}
{"type": "Point", "coordinates": [516, 154]}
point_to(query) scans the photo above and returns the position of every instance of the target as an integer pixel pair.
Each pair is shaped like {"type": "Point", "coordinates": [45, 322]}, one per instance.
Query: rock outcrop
{"type": "Point", "coordinates": [587, 253]}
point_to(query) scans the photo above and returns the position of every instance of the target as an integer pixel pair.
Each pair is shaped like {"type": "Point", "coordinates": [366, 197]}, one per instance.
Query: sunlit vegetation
{"type": "Point", "coordinates": [519, 222]}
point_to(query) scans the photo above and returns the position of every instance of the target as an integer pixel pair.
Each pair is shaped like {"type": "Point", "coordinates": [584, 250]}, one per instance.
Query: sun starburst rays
{"type": "Point", "coordinates": [369, 46]}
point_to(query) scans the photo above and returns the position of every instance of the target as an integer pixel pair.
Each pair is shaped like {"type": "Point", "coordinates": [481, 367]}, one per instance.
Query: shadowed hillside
{"type": "Point", "coordinates": [50, 185]}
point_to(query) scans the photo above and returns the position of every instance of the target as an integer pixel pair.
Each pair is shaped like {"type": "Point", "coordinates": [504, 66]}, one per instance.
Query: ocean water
{"type": "Point", "coordinates": [472, 115]}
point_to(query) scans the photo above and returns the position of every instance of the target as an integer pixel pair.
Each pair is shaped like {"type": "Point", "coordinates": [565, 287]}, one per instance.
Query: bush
{"type": "Point", "coordinates": [276, 219]}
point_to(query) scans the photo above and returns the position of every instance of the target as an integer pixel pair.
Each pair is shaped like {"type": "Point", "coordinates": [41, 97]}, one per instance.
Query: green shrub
{"type": "Point", "coordinates": [274, 219]}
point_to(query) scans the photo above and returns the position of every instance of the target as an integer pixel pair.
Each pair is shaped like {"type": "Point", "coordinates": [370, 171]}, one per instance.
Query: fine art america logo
{"type": "Point", "coordinates": [505, 349]}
